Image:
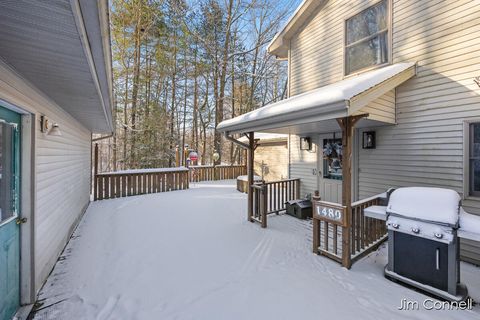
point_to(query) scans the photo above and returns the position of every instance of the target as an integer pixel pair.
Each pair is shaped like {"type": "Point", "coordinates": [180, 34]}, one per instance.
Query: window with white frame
{"type": "Point", "coordinates": [366, 38]}
{"type": "Point", "coordinates": [474, 159]}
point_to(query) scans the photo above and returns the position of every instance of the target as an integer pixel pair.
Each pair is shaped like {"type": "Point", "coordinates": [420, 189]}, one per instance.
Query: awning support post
{"type": "Point", "coordinates": [347, 125]}
{"type": "Point", "coordinates": [250, 173]}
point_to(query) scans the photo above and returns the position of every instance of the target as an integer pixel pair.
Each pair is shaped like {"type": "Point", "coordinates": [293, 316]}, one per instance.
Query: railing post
{"type": "Point", "coordinates": [347, 125]}
{"type": "Point", "coordinates": [263, 205]}
{"type": "Point", "coordinates": [316, 226]}
{"type": "Point", "coordinates": [250, 169]}
{"type": "Point", "coordinates": [95, 172]}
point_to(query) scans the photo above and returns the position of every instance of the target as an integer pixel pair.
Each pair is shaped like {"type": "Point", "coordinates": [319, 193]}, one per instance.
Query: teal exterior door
{"type": "Point", "coordinates": [9, 213]}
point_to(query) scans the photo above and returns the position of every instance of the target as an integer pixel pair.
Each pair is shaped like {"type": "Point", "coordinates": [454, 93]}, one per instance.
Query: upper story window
{"type": "Point", "coordinates": [366, 42]}
{"type": "Point", "coordinates": [474, 159]}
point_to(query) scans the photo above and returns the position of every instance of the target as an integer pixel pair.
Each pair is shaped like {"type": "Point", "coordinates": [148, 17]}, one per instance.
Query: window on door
{"type": "Point", "coordinates": [8, 183]}
{"type": "Point", "coordinates": [366, 38]}
{"type": "Point", "coordinates": [332, 159]}
{"type": "Point", "coordinates": [474, 159]}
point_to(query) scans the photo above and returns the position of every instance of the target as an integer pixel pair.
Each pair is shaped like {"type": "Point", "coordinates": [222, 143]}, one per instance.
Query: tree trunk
{"type": "Point", "coordinates": [184, 108]}
{"type": "Point", "coordinates": [223, 75]}
{"type": "Point", "coordinates": [195, 101]}
{"type": "Point", "coordinates": [135, 86]}
{"type": "Point", "coordinates": [172, 108]}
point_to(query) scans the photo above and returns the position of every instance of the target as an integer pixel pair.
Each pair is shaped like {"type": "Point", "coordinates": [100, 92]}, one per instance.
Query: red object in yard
{"type": "Point", "coordinates": [193, 156]}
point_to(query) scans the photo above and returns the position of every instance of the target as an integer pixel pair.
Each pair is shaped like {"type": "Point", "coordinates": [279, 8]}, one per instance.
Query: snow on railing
{"type": "Point", "coordinates": [151, 170]}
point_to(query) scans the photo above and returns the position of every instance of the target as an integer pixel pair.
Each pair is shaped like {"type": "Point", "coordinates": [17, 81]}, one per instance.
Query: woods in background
{"type": "Point", "coordinates": [180, 68]}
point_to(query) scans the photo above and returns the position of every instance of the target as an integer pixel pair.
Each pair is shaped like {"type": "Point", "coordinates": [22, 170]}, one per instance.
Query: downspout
{"type": "Point", "coordinates": [250, 164]}
{"type": "Point", "coordinates": [232, 139]}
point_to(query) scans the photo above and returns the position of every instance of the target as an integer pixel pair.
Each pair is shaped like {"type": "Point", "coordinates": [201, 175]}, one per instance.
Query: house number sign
{"type": "Point", "coordinates": [330, 212]}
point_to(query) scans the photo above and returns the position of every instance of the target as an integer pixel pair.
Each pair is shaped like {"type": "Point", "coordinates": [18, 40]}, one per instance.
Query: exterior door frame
{"type": "Point", "coordinates": [355, 160]}
{"type": "Point", "coordinates": [27, 203]}
{"type": "Point", "coordinates": [320, 173]}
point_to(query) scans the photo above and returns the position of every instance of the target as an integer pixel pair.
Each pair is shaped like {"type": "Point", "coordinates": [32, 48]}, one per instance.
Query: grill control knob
{"type": "Point", "coordinates": [438, 235]}
{"type": "Point", "coordinates": [395, 225]}
{"type": "Point", "coordinates": [415, 230]}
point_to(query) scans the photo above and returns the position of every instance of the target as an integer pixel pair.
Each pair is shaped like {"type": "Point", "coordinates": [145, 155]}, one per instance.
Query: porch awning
{"type": "Point", "coordinates": [307, 111]}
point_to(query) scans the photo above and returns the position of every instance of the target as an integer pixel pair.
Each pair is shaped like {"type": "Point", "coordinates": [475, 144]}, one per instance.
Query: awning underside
{"type": "Point", "coordinates": [58, 46]}
{"type": "Point", "coordinates": [317, 110]}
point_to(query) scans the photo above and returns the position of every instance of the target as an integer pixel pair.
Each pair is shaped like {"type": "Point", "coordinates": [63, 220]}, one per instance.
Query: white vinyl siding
{"type": "Point", "coordinates": [62, 171]}
{"type": "Point", "coordinates": [426, 145]}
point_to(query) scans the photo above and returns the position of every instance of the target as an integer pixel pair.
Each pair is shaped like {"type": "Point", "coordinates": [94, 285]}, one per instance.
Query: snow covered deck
{"type": "Point", "coordinates": [192, 255]}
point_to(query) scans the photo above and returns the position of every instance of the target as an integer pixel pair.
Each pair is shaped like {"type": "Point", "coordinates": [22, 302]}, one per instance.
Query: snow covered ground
{"type": "Point", "coordinates": [192, 255]}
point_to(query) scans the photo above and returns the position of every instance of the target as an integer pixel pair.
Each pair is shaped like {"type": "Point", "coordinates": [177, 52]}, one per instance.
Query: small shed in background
{"type": "Point", "coordinates": [271, 156]}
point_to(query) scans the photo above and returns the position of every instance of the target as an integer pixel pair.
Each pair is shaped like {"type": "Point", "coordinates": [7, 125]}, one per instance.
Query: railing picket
{"type": "Point", "coordinates": [335, 239]}
{"type": "Point", "coordinates": [117, 187]}
{"type": "Point", "coordinates": [325, 235]}
{"type": "Point", "coordinates": [107, 187]}
{"type": "Point", "coordinates": [100, 187]}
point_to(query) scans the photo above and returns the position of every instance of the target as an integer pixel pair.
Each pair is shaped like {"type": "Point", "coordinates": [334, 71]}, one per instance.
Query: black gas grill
{"type": "Point", "coordinates": [423, 247]}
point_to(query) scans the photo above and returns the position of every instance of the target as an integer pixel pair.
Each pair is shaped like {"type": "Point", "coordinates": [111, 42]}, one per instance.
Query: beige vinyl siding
{"type": "Point", "coordinates": [303, 163]}
{"type": "Point", "coordinates": [62, 171]}
{"type": "Point", "coordinates": [274, 157]}
{"type": "Point", "coordinates": [381, 109]}
{"type": "Point", "coordinates": [426, 145]}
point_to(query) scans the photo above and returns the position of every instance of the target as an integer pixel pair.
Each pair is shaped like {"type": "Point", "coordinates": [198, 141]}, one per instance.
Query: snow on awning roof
{"type": "Point", "coordinates": [266, 137]}
{"type": "Point", "coordinates": [340, 99]}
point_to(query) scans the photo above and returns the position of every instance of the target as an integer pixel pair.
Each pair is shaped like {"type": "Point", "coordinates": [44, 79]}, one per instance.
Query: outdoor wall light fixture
{"type": "Point", "coordinates": [55, 131]}
{"type": "Point", "coordinates": [48, 128]}
{"type": "Point", "coordinates": [305, 143]}
{"type": "Point", "coordinates": [368, 140]}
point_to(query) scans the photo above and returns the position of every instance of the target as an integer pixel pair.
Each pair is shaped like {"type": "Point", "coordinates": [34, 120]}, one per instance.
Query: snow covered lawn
{"type": "Point", "coordinates": [191, 255]}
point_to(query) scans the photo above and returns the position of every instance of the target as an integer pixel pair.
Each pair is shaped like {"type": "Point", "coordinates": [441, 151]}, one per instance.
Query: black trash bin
{"type": "Point", "coordinates": [299, 208]}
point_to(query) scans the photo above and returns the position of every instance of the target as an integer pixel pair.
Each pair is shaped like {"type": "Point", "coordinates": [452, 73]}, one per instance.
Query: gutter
{"type": "Point", "coordinates": [102, 138]}
{"type": "Point", "coordinates": [82, 32]}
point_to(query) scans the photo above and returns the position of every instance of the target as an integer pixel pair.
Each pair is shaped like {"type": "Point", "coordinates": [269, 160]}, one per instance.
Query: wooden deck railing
{"type": "Point", "coordinates": [136, 182]}
{"type": "Point", "coordinates": [270, 197]}
{"type": "Point", "coordinates": [220, 172]}
{"type": "Point", "coordinates": [365, 233]}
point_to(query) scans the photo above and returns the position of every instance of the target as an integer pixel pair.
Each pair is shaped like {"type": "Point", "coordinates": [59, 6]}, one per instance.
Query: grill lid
{"type": "Point", "coordinates": [427, 204]}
